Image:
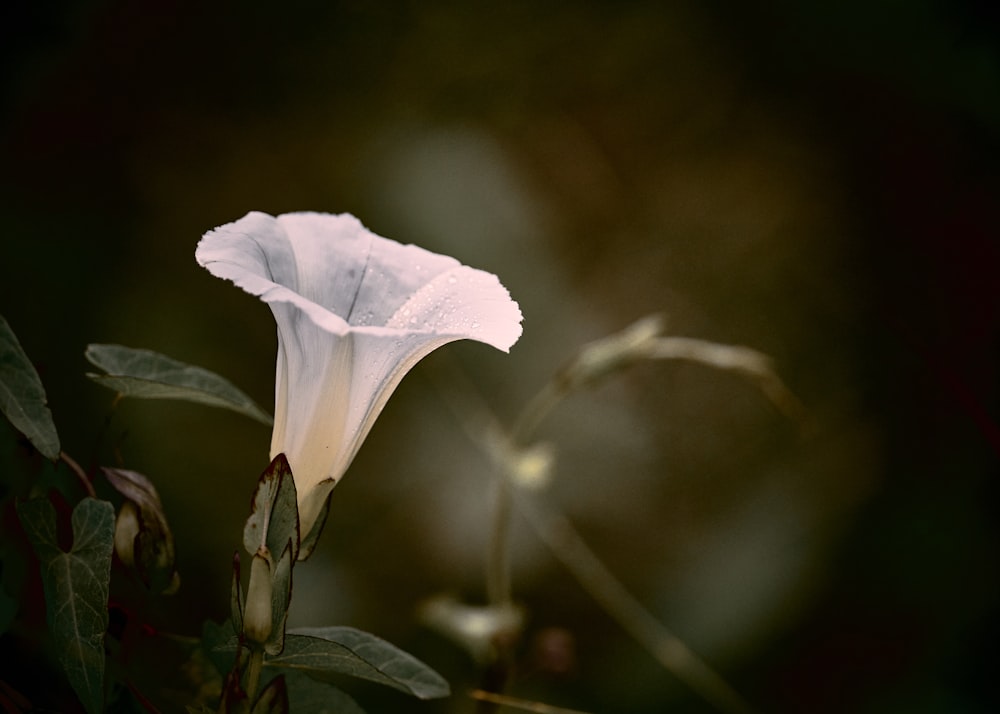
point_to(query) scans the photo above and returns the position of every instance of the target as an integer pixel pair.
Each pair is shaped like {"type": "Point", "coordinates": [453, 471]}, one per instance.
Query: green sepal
{"type": "Point", "coordinates": [274, 510]}
{"type": "Point", "coordinates": [281, 596]}
{"type": "Point", "coordinates": [236, 596]}
{"type": "Point", "coordinates": [321, 490]}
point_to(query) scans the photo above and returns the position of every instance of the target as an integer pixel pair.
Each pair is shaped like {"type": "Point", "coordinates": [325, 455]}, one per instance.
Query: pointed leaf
{"type": "Point", "coordinates": [22, 397]}
{"type": "Point", "coordinates": [219, 644]}
{"type": "Point", "coordinates": [274, 516]}
{"type": "Point", "coordinates": [318, 651]}
{"type": "Point", "coordinates": [145, 374]}
{"type": "Point", "coordinates": [76, 589]}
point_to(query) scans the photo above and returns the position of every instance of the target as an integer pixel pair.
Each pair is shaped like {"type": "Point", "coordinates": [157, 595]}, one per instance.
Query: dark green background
{"type": "Point", "coordinates": [815, 180]}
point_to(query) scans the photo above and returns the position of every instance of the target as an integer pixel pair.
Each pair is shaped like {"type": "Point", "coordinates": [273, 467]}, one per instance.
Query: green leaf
{"type": "Point", "coordinates": [319, 651]}
{"type": "Point", "coordinates": [219, 645]}
{"type": "Point", "coordinates": [309, 695]}
{"type": "Point", "coordinates": [76, 589]}
{"type": "Point", "coordinates": [274, 509]}
{"type": "Point", "coordinates": [22, 397]}
{"type": "Point", "coordinates": [149, 375]}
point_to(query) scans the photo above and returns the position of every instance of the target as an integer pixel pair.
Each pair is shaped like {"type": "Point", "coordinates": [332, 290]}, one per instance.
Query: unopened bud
{"type": "Point", "coordinates": [126, 529]}
{"type": "Point", "coordinates": [257, 612]}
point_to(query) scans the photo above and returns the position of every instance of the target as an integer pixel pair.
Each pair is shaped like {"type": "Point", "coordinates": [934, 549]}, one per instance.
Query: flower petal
{"type": "Point", "coordinates": [355, 312]}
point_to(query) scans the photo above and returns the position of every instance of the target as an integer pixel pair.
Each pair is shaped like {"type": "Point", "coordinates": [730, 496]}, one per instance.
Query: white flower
{"type": "Point", "coordinates": [355, 312]}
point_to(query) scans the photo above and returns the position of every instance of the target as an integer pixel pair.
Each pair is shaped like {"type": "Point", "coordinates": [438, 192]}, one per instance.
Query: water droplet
{"type": "Point", "coordinates": [474, 325]}
{"type": "Point", "coordinates": [452, 280]}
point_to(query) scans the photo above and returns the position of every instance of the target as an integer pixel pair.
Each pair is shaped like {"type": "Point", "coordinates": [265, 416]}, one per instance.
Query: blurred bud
{"type": "Point", "coordinates": [126, 529]}
{"type": "Point", "coordinates": [609, 354]}
{"type": "Point", "coordinates": [143, 540]}
{"type": "Point", "coordinates": [553, 651]}
{"type": "Point", "coordinates": [478, 629]}
{"type": "Point", "coordinates": [257, 609]}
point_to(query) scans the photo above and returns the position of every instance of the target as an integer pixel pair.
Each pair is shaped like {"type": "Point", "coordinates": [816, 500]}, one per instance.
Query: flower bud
{"type": "Point", "coordinates": [257, 612]}
{"type": "Point", "coordinates": [126, 529]}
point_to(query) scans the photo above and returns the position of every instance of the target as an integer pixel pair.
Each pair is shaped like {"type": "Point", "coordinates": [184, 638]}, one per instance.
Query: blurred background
{"type": "Point", "coordinates": [817, 181]}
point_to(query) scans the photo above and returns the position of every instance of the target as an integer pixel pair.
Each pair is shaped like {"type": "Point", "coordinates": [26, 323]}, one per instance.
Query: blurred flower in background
{"type": "Point", "coordinates": [817, 183]}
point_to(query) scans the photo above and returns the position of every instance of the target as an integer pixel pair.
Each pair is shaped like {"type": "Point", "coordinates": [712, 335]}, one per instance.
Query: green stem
{"type": "Point", "coordinates": [253, 672]}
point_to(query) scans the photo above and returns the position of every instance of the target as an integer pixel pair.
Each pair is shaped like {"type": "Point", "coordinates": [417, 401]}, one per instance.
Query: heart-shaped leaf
{"type": "Point", "coordinates": [76, 588]}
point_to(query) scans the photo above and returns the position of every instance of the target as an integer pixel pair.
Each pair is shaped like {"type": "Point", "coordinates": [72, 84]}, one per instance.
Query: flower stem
{"type": "Point", "coordinates": [253, 672]}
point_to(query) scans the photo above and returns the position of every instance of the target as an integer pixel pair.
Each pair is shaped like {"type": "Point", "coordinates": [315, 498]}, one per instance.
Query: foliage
{"type": "Point", "coordinates": [144, 374]}
{"type": "Point", "coordinates": [76, 588]}
{"type": "Point", "coordinates": [77, 573]}
{"type": "Point", "coordinates": [22, 397]}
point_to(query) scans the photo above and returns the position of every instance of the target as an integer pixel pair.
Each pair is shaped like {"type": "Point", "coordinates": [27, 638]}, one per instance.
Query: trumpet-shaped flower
{"type": "Point", "coordinates": [355, 312]}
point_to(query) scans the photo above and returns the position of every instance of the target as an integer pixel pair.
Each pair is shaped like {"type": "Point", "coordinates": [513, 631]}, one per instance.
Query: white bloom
{"type": "Point", "coordinates": [355, 312]}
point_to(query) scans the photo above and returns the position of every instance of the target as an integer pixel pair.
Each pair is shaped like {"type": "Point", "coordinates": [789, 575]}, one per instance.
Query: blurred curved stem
{"type": "Point", "coordinates": [564, 541]}
{"type": "Point", "coordinates": [498, 568]}
{"type": "Point", "coordinates": [535, 411]}
{"type": "Point", "coordinates": [498, 575]}
{"type": "Point", "coordinates": [80, 474]}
